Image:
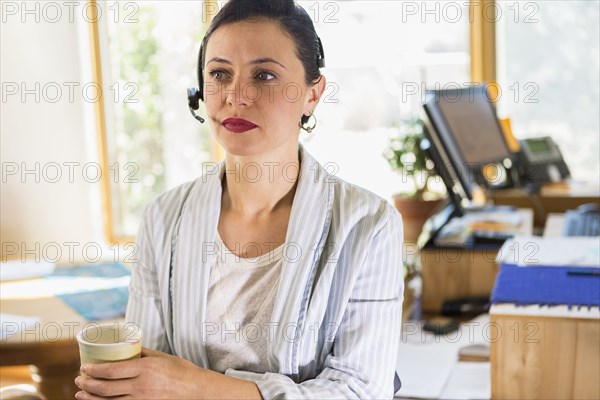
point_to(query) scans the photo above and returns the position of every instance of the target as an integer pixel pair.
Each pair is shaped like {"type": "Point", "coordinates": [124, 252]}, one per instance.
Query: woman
{"type": "Point", "coordinates": [266, 277]}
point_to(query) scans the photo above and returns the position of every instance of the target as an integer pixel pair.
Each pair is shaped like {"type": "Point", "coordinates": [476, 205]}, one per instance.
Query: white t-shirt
{"type": "Point", "coordinates": [241, 295]}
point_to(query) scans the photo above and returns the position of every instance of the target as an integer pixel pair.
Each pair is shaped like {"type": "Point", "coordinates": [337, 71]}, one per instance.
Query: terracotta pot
{"type": "Point", "coordinates": [414, 213]}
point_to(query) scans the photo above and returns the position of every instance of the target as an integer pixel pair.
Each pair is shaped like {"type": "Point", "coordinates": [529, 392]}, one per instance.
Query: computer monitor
{"type": "Point", "coordinates": [430, 145]}
{"type": "Point", "coordinates": [469, 132]}
{"type": "Point", "coordinates": [448, 161]}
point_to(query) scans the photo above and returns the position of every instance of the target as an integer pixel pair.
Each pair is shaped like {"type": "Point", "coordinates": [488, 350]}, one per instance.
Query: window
{"type": "Point", "coordinates": [380, 57]}
{"type": "Point", "coordinates": [549, 69]}
{"type": "Point", "coordinates": [148, 60]}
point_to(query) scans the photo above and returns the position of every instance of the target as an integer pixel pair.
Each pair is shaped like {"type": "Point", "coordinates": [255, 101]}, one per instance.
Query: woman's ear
{"type": "Point", "coordinates": [313, 94]}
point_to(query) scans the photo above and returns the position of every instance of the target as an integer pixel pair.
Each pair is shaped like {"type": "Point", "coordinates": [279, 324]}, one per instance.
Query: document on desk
{"type": "Point", "coordinates": [97, 292]}
{"type": "Point", "coordinates": [458, 230]}
{"type": "Point", "coordinates": [427, 362]}
{"type": "Point", "coordinates": [11, 324]}
{"type": "Point", "coordinates": [536, 251]}
{"type": "Point", "coordinates": [17, 270]}
{"type": "Point", "coordinates": [424, 368]}
{"type": "Point", "coordinates": [469, 380]}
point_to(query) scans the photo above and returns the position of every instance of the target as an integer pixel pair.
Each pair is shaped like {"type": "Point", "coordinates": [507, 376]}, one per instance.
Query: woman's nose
{"type": "Point", "coordinates": [240, 93]}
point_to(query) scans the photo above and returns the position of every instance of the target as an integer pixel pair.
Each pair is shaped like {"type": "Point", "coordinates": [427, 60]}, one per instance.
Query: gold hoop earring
{"type": "Point", "coordinates": [305, 126]}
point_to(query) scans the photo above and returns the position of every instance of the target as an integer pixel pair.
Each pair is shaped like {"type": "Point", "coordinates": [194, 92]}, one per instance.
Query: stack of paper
{"type": "Point", "coordinates": [536, 251]}
{"type": "Point", "coordinates": [428, 364]}
{"type": "Point", "coordinates": [16, 270]}
{"type": "Point", "coordinates": [11, 324]}
{"type": "Point", "coordinates": [458, 230]}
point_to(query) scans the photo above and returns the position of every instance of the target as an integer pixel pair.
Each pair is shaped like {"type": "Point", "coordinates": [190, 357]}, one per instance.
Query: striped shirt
{"type": "Point", "coordinates": [335, 324]}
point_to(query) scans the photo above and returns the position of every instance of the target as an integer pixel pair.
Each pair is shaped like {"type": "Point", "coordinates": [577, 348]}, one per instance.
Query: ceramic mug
{"type": "Point", "coordinates": [109, 342]}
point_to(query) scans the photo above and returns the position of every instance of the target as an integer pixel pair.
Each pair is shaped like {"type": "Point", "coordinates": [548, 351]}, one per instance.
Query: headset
{"type": "Point", "coordinates": [194, 95]}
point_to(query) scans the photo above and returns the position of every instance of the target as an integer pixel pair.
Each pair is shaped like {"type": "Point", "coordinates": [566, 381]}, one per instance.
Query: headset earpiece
{"type": "Point", "coordinates": [321, 58]}
{"type": "Point", "coordinates": [193, 98]}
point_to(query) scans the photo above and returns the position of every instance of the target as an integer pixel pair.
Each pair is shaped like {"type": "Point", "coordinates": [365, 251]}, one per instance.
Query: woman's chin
{"type": "Point", "coordinates": [240, 149]}
{"type": "Point", "coordinates": [243, 145]}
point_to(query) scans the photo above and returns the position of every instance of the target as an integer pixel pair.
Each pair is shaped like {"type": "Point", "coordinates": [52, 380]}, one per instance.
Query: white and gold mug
{"type": "Point", "coordinates": [109, 342]}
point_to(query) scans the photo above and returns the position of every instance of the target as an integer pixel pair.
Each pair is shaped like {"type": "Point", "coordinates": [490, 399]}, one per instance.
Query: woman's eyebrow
{"type": "Point", "coordinates": [266, 60]}
{"type": "Point", "coordinates": [253, 62]}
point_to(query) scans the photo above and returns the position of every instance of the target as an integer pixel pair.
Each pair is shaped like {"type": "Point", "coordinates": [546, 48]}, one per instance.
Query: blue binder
{"type": "Point", "coordinates": [541, 285]}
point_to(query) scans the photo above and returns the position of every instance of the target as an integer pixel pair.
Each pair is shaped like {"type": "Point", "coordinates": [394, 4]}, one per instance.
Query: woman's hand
{"type": "Point", "coordinates": [156, 375]}
{"type": "Point", "coordinates": [159, 375]}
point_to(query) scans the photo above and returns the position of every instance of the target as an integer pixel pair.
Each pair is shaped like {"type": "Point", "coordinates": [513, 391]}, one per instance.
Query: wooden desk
{"type": "Point", "coordinates": [450, 274]}
{"type": "Point", "coordinates": [50, 347]}
{"type": "Point", "coordinates": [553, 198]}
{"type": "Point", "coordinates": [545, 352]}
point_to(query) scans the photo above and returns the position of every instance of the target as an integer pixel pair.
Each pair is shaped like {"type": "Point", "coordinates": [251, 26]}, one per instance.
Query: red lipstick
{"type": "Point", "coordinates": [238, 125]}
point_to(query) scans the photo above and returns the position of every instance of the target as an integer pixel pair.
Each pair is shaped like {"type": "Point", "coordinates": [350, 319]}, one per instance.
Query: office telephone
{"type": "Point", "coordinates": [540, 161]}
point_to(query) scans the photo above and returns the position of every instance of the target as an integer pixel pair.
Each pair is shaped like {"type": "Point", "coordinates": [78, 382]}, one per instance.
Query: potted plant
{"type": "Point", "coordinates": [405, 156]}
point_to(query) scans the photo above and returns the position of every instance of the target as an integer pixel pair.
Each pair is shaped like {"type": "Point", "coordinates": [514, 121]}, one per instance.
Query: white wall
{"type": "Point", "coordinates": [45, 130]}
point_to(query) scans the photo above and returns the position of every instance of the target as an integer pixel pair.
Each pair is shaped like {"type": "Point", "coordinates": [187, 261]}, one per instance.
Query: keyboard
{"type": "Point", "coordinates": [581, 224]}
